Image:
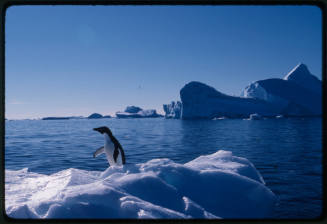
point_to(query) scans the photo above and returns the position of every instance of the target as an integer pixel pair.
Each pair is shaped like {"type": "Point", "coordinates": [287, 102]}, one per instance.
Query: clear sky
{"type": "Point", "coordinates": [76, 60]}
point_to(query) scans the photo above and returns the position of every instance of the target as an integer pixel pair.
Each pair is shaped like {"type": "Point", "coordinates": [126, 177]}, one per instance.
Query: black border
{"type": "Point", "coordinates": [5, 4]}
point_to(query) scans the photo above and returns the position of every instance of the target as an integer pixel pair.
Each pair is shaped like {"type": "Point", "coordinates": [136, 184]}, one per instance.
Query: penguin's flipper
{"type": "Point", "coordinates": [122, 154]}
{"type": "Point", "coordinates": [98, 151]}
{"type": "Point", "coordinates": [116, 152]}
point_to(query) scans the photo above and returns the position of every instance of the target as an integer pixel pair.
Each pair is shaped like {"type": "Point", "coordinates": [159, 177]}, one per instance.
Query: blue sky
{"type": "Point", "coordinates": [76, 60]}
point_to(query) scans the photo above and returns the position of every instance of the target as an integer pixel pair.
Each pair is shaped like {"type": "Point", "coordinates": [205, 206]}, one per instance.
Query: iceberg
{"type": "Point", "coordinates": [299, 93]}
{"type": "Point", "coordinates": [219, 185]}
{"type": "Point", "coordinates": [137, 112]}
{"type": "Point", "coordinates": [255, 117]}
{"type": "Point", "coordinates": [95, 116]}
{"type": "Point", "coordinates": [301, 75]}
{"type": "Point", "coordinates": [173, 110]}
{"type": "Point", "coordinates": [61, 118]}
{"type": "Point", "coordinates": [132, 109]}
{"type": "Point", "coordinates": [219, 118]}
{"type": "Point", "coordinates": [55, 118]}
{"type": "Point", "coordinates": [200, 101]}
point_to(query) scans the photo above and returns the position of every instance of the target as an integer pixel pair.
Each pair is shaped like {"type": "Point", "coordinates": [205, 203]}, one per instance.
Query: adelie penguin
{"type": "Point", "coordinates": [112, 148]}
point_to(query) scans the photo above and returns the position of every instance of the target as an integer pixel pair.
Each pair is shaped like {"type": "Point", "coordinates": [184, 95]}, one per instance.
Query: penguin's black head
{"type": "Point", "coordinates": [103, 130]}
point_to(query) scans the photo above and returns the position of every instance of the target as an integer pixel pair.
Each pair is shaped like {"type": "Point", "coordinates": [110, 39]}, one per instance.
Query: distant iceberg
{"type": "Point", "coordinates": [133, 109]}
{"type": "Point", "coordinates": [219, 118]}
{"type": "Point", "coordinates": [61, 118]}
{"type": "Point", "coordinates": [137, 112]}
{"type": "Point", "coordinates": [255, 117]}
{"type": "Point", "coordinates": [200, 101]}
{"type": "Point", "coordinates": [219, 185]}
{"type": "Point", "coordinates": [95, 116]}
{"type": "Point", "coordinates": [299, 93]}
{"type": "Point", "coordinates": [56, 118]}
{"type": "Point", "coordinates": [173, 110]}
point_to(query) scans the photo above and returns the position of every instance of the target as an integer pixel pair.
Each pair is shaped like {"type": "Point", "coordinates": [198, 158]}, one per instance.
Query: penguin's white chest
{"type": "Point", "coordinates": [109, 151]}
{"type": "Point", "coordinates": [109, 148]}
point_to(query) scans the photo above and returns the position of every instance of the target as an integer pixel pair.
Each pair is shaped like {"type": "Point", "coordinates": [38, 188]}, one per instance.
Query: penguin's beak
{"type": "Point", "coordinates": [97, 129]}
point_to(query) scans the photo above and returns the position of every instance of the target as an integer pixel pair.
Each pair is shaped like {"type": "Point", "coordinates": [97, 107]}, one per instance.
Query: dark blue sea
{"type": "Point", "coordinates": [287, 152]}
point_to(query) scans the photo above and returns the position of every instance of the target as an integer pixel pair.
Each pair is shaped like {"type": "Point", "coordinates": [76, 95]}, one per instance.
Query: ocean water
{"type": "Point", "coordinates": [287, 152]}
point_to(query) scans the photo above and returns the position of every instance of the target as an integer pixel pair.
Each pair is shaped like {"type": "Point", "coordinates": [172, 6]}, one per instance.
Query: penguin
{"type": "Point", "coordinates": [112, 148]}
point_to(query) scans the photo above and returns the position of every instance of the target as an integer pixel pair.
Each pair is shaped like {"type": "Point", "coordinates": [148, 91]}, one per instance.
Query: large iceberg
{"type": "Point", "coordinates": [173, 110]}
{"type": "Point", "coordinates": [202, 101]}
{"type": "Point", "coordinates": [219, 185]}
{"type": "Point", "coordinates": [137, 112]}
{"type": "Point", "coordinates": [298, 94]}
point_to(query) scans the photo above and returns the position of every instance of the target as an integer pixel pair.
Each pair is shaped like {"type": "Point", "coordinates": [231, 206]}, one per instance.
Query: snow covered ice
{"type": "Point", "coordinates": [219, 185]}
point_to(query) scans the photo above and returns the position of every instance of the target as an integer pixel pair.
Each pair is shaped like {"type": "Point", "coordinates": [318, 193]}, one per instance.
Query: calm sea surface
{"type": "Point", "coordinates": [287, 152]}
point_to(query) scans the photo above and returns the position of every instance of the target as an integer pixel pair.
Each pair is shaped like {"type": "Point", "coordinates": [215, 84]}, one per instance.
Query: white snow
{"type": "Point", "coordinates": [256, 91]}
{"type": "Point", "coordinates": [219, 185]}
